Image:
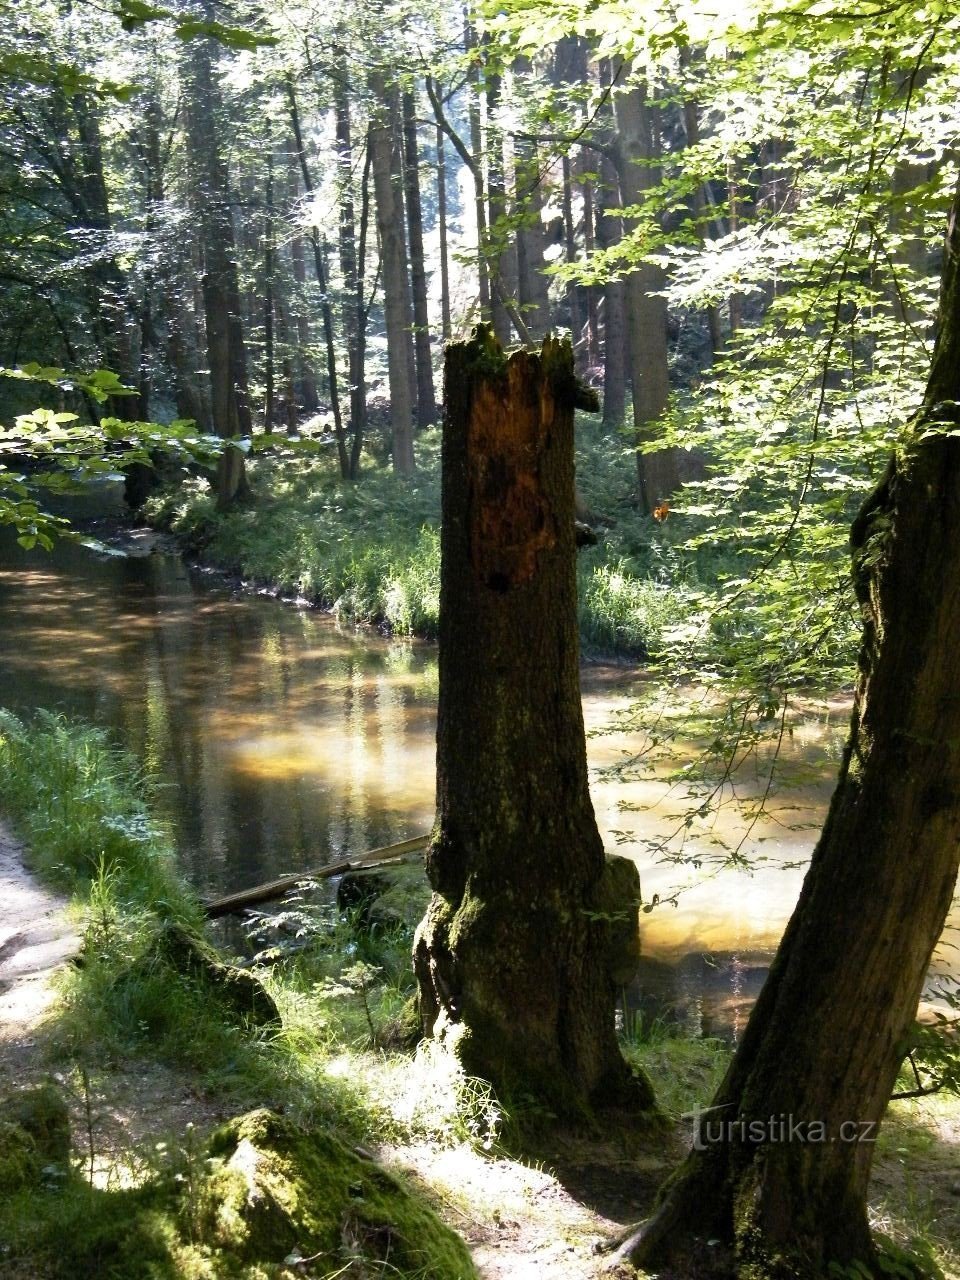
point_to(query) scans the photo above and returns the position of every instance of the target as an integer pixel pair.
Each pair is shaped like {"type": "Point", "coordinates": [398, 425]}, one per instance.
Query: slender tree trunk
{"type": "Point", "coordinates": [570, 249]}
{"type": "Point", "coordinates": [591, 301]}
{"type": "Point", "coordinates": [476, 170]}
{"type": "Point", "coordinates": [306, 377]}
{"type": "Point", "coordinates": [351, 269]}
{"type": "Point", "coordinates": [502, 267]}
{"type": "Point", "coordinates": [513, 962]}
{"type": "Point", "coordinates": [397, 177]}
{"type": "Point", "coordinates": [326, 310]}
{"type": "Point", "coordinates": [394, 270]}
{"type": "Point", "coordinates": [269, 259]}
{"type": "Point", "coordinates": [363, 309]}
{"type": "Point", "coordinates": [426, 398]}
{"type": "Point", "coordinates": [221, 296]}
{"type": "Point", "coordinates": [658, 473]}
{"type": "Point", "coordinates": [445, 326]}
{"type": "Point", "coordinates": [609, 233]}
{"type": "Point", "coordinates": [532, 291]}
{"type": "Point", "coordinates": [834, 1019]}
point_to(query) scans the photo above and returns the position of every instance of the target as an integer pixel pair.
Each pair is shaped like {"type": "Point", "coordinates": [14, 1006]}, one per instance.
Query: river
{"type": "Point", "coordinates": [283, 741]}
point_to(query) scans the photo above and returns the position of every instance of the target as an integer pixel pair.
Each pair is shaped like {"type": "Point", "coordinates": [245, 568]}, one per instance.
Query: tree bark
{"type": "Point", "coordinates": [834, 1020]}
{"type": "Point", "coordinates": [445, 326]}
{"type": "Point", "coordinates": [512, 960]}
{"type": "Point", "coordinates": [532, 288]}
{"type": "Point", "coordinates": [609, 232]}
{"type": "Point", "coordinates": [423, 357]}
{"type": "Point", "coordinates": [326, 310]}
{"type": "Point", "coordinates": [658, 473]}
{"type": "Point", "coordinates": [352, 265]}
{"type": "Point", "coordinates": [393, 260]}
{"type": "Point", "coordinates": [229, 404]}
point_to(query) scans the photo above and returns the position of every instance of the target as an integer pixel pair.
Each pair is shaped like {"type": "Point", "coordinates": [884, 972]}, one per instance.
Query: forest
{"type": "Point", "coordinates": [479, 616]}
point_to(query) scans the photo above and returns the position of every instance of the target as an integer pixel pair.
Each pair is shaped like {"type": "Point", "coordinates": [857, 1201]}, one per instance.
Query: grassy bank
{"type": "Point", "coordinates": [371, 551]}
{"type": "Point", "coordinates": [340, 978]}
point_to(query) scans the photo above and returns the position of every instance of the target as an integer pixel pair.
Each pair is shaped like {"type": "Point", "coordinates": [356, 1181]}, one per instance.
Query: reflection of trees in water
{"type": "Point", "coordinates": [704, 993]}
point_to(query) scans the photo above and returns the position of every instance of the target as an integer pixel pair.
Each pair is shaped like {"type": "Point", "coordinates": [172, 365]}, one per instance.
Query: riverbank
{"type": "Point", "coordinates": [370, 552]}
{"type": "Point", "coordinates": [152, 1070]}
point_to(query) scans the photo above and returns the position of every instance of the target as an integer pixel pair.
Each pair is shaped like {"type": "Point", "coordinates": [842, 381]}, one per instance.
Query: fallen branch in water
{"type": "Point", "coordinates": [286, 884]}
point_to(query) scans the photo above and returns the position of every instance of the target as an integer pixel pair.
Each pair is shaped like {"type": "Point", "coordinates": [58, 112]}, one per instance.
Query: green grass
{"type": "Point", "coordinates": [371, 551]}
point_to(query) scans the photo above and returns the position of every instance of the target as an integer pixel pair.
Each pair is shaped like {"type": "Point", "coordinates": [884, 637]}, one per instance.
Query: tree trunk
{"type": "Point", "coordinates": [476, 170]}
{"type": "Point", "coordinates": [609, 232]}
{"type": "Point", "coordinates": [834, 1019]}
{"type": "Point", "coordinates": [229, 405]}
{"type": "Point", "coordinates": [445, 327]}
{"type": "Point", "coordinates": [658, 473]}
{"type": "Point", "coordinates": [570, 250]}
{"type": "Point", "coordinates": [423, 357]}
{"type": "Point", "coordinates": [500, 247]}
{"type": "Point", "coordinates": [532, 289]}
{"type": "Point", "coordinates": [326, 310]}
{"type": "Point", "coordinates": [512, 960]}
{"type": "Point", "coordinates": [393, 260]}
{"type": "Point", "coordinates": [352, 265]}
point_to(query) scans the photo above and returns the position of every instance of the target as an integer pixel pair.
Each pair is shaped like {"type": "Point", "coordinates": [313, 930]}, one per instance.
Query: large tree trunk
{"type": "Point", "coordinates": [512, 960]}
{"type": "Point", "coordinates": [830, 1029]}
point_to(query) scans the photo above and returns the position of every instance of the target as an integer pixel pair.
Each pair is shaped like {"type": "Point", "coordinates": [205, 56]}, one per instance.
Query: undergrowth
{"type": "Point", "coordinates": [371, 551]}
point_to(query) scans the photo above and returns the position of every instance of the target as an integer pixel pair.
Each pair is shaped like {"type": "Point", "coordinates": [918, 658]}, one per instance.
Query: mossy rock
{"type": "Point", "coordinates": [275, 1192]}
{"type": "Point", "coordinates": [19, 1163]}
{"type": "Point", "coordinates": [40, 1112]}
{"type": "Point", "coordinates": [240, 993]}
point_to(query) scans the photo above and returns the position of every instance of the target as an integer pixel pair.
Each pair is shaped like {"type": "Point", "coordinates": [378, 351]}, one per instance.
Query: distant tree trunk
{"type": "Point", "coordinates": [570, 249]}
{"type": "Point", "coordinates": [269, 260]}
{"type": "Point", "coordinates": [502, 266]}
{"type": "Point", "coordinates": [532, 292]}
{"type": "Point", "coordinates": [221, 296]}
{"type": "Point", "coordinates": [426, 398]}
{"type": "Point", "coordinates": [476, 170]}
{"type": "Point", "coordinates": [351, 266]}
{"type": "Point", "coordinates": [306, 377]}
{"type": "Point", "coordinates": [398, 180]}
{"type": "Point", "coordinates": [833, 1021]}
{"type": "Point", "coordinates": [658, 473]}
{"type": "Point", "coordinates": [445, 326]}
{"type": "Point", "coordinates": [511, 957]}
{"type": "Point", "coordinates": [394, 271]}
{"type": "Point", "coordinates": [589, 245]}
{"type": "Point", "coordinates": [609, 233]}
{"type": "Point", "coordinates": [363, 308]}
{"type": "Point", "coordinates": [326, 310]}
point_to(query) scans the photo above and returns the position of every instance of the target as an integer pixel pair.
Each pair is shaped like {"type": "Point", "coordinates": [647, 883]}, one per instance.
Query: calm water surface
{"type": "Point", "coordinates": [284, 742]}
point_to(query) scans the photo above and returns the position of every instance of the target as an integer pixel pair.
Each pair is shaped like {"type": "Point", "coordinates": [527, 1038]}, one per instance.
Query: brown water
{"type": "Point", "coordinates": [284, 742]}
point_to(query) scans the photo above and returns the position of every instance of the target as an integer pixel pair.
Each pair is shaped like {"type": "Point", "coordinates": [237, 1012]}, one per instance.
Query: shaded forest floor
{"type": "Point", "coordinates": [540, 1219]}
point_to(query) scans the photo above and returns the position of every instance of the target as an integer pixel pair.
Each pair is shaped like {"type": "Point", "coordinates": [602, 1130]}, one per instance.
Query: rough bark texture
{"type": "Point", "coordinates": [831, 1026]}
{"type": "Point", "coordinates": [512, 966]}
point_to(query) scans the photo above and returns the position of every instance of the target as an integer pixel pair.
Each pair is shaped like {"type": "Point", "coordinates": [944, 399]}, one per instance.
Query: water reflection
{"type": "Point", "coordinates": [282, 743]}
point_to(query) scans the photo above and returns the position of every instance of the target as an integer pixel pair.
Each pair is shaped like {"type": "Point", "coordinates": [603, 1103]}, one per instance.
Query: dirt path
{"type": "Point", "coordinates": [36, 938]}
